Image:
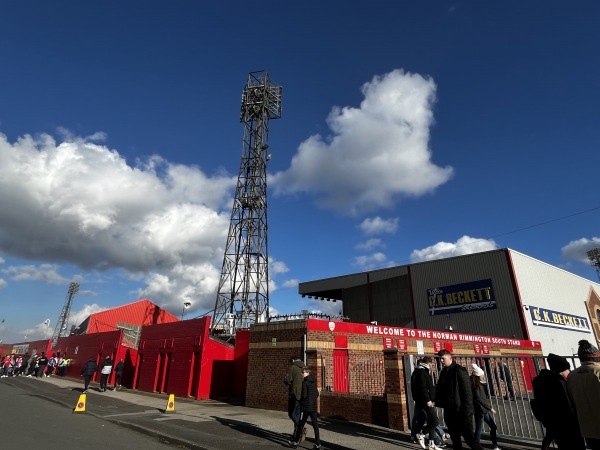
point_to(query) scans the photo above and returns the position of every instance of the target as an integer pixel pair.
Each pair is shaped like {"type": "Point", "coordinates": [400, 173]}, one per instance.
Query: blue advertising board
{"type": "Point", "coordinates": [465, 297]}
{"type": "Point", "coordinates": [555, 319]}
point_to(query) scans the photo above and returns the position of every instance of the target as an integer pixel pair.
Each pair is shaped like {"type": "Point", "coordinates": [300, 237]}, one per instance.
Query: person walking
{"type": "Point", "coordinates": [453, 393]}
{"type": "Point", "coordinates": [482, 407]}
{"type": "Point", "coordinates": [423, 393]}
{"type": "Point", "coordinates": [583, 385]}
{"type": "Point", "coordinates": [105, 371]}
{"type": "Point", "coordinates": [504, 374]}
{"type": "Point", "coordinates": [118, 374]}
{"type": "Point", "coordinates": [42, 362]}
{"type": "Point", "coordinates": [308, 401]}
{"type": "Point", "coordinates": [553, 406]}
{"type": "Point", "coordinates": [293, 380]}
{"type": "Point", "coordinates": [88, 371]}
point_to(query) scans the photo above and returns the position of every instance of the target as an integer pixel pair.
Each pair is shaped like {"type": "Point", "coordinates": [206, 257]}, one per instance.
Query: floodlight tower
{"type": "Point", "coordinates": [594, 257]}
{"type": "Point", "coordinates": [63, 319]}
{"type": "Point", "coordinates": [243, 295]}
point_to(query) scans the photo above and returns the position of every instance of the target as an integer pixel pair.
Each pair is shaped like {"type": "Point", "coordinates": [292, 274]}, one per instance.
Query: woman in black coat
{"type": "Point", "coordinates": [308, 401]}
{"type": "Point", "coordinates": [483, 407]}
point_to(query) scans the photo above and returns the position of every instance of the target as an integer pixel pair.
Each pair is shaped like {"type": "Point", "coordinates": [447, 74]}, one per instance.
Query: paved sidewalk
{"type": "Point", "coordinates": [209, 424]}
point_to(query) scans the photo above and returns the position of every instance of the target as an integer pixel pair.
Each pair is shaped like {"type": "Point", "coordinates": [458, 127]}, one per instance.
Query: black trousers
{"type": "Point", "coordinates": [315, 424]}
{"type": "Point", "coordinates": [86, 381]}
{"type": "Point", "coordinates": [103, 380]}
{"type": "Point", "coordinates": [459, 424]}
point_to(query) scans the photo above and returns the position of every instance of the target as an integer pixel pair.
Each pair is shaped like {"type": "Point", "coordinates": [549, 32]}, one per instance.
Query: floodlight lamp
{"type": "Point", "coordinates": [187, 304]}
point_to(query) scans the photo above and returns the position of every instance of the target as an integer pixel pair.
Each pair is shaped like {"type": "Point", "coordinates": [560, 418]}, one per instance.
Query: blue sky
{"type": "Point", "coordinates": [410, 131]}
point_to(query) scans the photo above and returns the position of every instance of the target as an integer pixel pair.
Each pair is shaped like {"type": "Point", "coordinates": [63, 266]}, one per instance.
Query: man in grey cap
{"type": "Point", "coordinates": [584, 388]}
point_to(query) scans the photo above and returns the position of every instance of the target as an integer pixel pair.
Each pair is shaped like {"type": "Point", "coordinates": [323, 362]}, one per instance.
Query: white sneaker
{"type": "Point", "coordinates": [496, 448]}
{"type": "Point", "coordinates": [432, 446]}
{"type": "Point", "coordinates": [421, 440]}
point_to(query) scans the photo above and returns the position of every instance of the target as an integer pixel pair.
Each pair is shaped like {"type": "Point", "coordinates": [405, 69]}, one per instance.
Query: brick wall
{"type": "Point", "coordinates": [355, 407]}
{"type": "Point", "coordinates": [271, 346]}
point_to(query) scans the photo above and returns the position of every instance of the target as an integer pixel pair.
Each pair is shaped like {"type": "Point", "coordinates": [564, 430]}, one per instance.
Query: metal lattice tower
{"type": "Point", "coordinates": [63, 319]}
{"type": "Point", "coordinates": [594, 257]}
{"type": "Point", "coordinates": [243, 295]}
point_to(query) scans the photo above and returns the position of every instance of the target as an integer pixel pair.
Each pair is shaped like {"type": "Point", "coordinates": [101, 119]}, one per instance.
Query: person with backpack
{"type": "Point", "coordinates": [105, 371]}
{"type": "Point", "coordinates": [553, 407]}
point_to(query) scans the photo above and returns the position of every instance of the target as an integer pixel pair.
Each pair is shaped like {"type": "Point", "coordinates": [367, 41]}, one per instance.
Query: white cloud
{"type": "Point", "coordinates": [80, 203]}
{"type": "Point", "coordinates": [374, 261]}
{"type": "Point", "coordinates": [76, 317]}
{"type": "Point", "coordinates": [377, 225]}
{"type": "Point", "coordinates": [464, 246]}
{"type": "Point", "coordinates": [288, 284]}
{"type": "Point", "coordinates": [377, 153]}
{"type": "Point", "coordinates": [325, 307]}
{"type": "Point", "coordinates": [2, 283]}
{"type": "Point", "coordinates": [578, 249]}
{"type": "Point", "coordinates": [369, 244]}
{"type": "Point", "coordinates": [277, 267]}
{"type": "Point", "coordinates": [43, 272]}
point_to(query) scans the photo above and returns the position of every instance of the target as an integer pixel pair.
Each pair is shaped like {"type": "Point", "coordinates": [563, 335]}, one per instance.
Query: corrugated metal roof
{"type": "Point", "coordinates": [142, 312]}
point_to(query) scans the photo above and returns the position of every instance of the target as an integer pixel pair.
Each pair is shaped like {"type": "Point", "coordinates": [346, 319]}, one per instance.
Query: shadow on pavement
{"type": "Point", "coordinates": [347, 429]}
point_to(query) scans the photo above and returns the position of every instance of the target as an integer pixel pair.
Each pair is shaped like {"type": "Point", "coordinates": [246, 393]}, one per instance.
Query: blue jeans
{"type": "Point", "coordinates": [294, 410]}
{"type": "Point", "coordinates": [489, 420]}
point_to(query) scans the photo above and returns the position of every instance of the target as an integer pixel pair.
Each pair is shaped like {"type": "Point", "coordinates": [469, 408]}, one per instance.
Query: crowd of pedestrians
{"type": "Point", "coordinates": [36, 365]}
{"type": "Point", "coordinates": [566, 402]}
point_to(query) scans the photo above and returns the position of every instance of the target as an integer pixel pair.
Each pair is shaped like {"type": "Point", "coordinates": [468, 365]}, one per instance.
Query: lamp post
{"type": "Point", "coordinates": [186, 305]}
{"type": "Point", "coordinates": [47, 323]}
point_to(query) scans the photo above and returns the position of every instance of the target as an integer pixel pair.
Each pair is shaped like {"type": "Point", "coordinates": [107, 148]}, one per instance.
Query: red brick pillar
{"type": "Point", "coordinates": [395, 390]}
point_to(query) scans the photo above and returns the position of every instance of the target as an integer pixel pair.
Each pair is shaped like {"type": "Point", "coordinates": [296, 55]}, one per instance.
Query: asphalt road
{"type": "Point", "coordinates": [29, 421]}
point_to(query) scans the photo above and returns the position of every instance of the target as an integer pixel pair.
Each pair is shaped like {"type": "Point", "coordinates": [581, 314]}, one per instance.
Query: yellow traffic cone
{"type": "Point", "coordinates": [80, 407]}
{"type": "Point", "coordinates": [170, 404]}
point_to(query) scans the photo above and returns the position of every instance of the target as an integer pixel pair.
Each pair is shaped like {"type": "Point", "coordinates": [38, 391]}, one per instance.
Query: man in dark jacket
{"type": "Point", "coordinates": [423, 393]}
{"type": "Point", "coordinates": [118, 374]}
{"type": "Point", "coordinates": [88, 371]}
{"type": "Point", "coordinates": [551, 399]}
{"type": "Point", "coordinates": [453, 393]}
{"type": "Point", "coordinates": [293, 380]}
{"type": "Point", "coordinates": [308, 401]}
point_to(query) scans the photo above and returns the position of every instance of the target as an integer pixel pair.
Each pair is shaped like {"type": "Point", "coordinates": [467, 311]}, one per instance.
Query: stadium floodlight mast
{"type": "Point", "coordinates": [243, 292]}
{"type": "Point", "coordinates": [63, 319]}
{"type": "Point", "coordinates": [594, 257]}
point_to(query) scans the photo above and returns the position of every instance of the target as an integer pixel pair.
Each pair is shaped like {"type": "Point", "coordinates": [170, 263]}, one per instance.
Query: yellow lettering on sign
{"type": "Point", "coordinates": [546, 316]}
{"type": "Point", "coordinates": [536, 314]}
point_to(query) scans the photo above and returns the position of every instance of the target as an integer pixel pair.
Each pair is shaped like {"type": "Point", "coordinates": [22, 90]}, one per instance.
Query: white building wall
{"type": "Point", "coordinates": [544, 286]}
